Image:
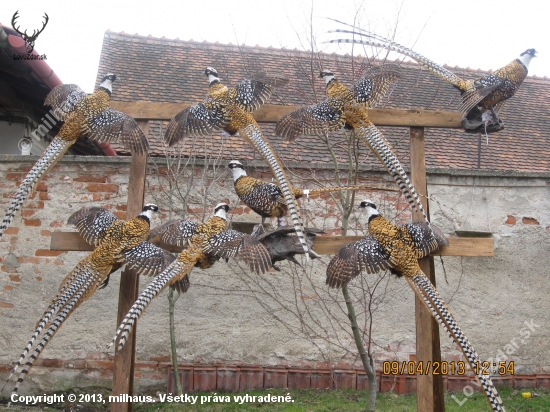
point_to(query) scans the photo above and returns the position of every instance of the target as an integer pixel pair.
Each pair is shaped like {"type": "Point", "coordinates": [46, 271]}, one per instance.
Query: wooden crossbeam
{"type": "Point", "coordinates": [273, 113]}
{"type": "Point", "coordinates": [324, 245]}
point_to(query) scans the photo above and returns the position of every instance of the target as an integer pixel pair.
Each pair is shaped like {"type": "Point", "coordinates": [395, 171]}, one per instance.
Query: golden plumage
{"type": "Point", "coordinates": [229, 109]}
{"type": "Point", "coordinates": [83, 115]}
{"type": "Point", "coordinates": [117, 243]}
{"type": "Point", "coordinates": [207, 242]}
{"type": "Point", "coordinates": [267, 199]}
{"type": "Point", "coordinates": [487, 92]}
{"type": "Point", "coordinates": [345, 107]}
{"type": "Point", "coordinates": [397, 249]}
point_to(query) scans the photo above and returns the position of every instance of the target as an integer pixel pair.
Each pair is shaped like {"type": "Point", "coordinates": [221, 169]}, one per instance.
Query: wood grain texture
{"type": "Point", "coordinates": [123, 373]}
{"type": "Point", "coordinates": [324, 245]}
{"type": "Point", "coordinates": [273, 113]}
{"type": "Point", "coordinates": [430, 392]}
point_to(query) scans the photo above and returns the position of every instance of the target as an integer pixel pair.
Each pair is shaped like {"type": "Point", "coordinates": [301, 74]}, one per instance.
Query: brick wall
{"type": "Point", "coordinates": [225, 320]}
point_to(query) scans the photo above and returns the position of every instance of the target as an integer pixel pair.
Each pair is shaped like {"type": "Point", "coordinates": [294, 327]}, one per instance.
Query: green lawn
{"type": "Point", "coordinates": [312, 400]}
{"type": "Point", "coordinates": [339, 400]}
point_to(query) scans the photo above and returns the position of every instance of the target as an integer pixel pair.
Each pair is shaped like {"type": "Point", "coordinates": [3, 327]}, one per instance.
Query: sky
{"type": "Point", "coordinates": [485, 34]}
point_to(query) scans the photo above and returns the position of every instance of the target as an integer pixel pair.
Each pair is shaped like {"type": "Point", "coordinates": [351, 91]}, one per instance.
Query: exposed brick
{"type": "Point", "coordinates": [510, 221]}
{"type": "Point", "coordinates": [75, 364]}
{"type": "Point", "coordinates": [32, 222]}
{"type": "Point", "coordinates": [33, 260]}
{"type": "Point", "coordinates": [102, 187]}
{"type": "Point", "coordinates": [49, 363]}
{"type": "Point", "coordinates": [27, 212]}
{"type": "Point", "coordinates": [122, 207]}
{"type": "Point", "coordinates": [15, 278]}
{"type": "Point", "coordinates": [146, 366]}
{"type": "Point", "coordinates": [5, 305]}
{"type": "Point", "coordinates": [91, 178]}
{"type": "Point", "coordinates": [38, 204]}
{"type": "Point", "coordinates": [57, 223]}
{"type": "Point", "coordinates": [100, 364]}
{"type": "Point", "coordinates": [45, 233]}
{"type": "Point", "coordinates": [47, 252]}
{"type": "Point", "coordinates": [38, 278]}
{"type": "Point", "coordinates": [8, 287]}
{"type": "Point", "coordinates": [44, 196]}
{"type": "Point", "coordinates": [14, 176]}
{"type": "Point", "coordinates": [11, 231]}
{"type": "Point", "coordinates": [41, 187]}
{"type": "Point", "coordinates": [120, 215]}
{"type": "Point", "coordinates": [530, 221]}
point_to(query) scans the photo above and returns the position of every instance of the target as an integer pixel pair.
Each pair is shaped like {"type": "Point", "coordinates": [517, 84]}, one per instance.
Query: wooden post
{"type": "Point", "coordinates": [430, 393]}
{"type": "Point", "coordinates": [123, 373]}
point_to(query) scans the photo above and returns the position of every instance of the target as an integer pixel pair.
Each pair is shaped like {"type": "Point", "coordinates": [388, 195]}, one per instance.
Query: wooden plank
{"type": "Point", "coordinates": [324, 245]}
{"type": "Point", "coordinates": [430, 393]}
{"type": "Point", "coordinates": [123, 373]}
{"type": "Point", "coordinates": [273, 113]}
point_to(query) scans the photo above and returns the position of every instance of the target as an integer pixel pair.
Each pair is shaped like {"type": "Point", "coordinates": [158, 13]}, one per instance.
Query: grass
{"type": "Point", "coordinates": [311, 400]}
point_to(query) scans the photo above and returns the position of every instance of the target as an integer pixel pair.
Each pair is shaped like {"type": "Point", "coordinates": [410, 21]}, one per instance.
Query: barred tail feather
{"type": "Point", "coordinates": [372, 39]}
{"type": "Point", "coordinates": [255, 137]}
{"type": "Point", "coordinates": [53, 153]}
{"type": "Point", "coordinates": [58, 303]}
{"type": "Point", "coordinates": [376, 141]}
{"type": "Point", "coordinates": [312, 192]}
{"type": "Point", "coordinates": [426, 291]}
{"type": "Point", "coordinates": [175, 271]}
{"type": "Point", "coordinates": [54, 327]}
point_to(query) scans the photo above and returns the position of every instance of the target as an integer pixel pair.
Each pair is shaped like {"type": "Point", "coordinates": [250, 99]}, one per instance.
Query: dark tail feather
{"type": "Point", "coordinates": [431, 298]}
{"type": "Point", "coordinates": [53, 153]}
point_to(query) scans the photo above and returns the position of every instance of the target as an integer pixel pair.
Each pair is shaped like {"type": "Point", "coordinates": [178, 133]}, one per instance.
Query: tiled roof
{"type": "Point", "coordinates": [163, 70]}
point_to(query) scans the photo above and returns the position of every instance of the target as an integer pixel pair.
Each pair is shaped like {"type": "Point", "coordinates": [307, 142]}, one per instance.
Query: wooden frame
{"type": "Point", "coordinates": [429, 387]}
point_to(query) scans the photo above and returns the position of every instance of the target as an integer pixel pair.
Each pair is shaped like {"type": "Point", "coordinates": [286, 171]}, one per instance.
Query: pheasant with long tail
{"type": "Point", "coordinates": [349, 108]}
{"type": "Point", "coordinates": [83, 115]}
{"type": "Point", "coordinates": [229, 109]}
{"type": "Point", "coordinates": [486, 93]}
{"type": "Point", "coordinates": [117, 243]}
{"type": "Point", "coordinates": [398, 249]}
{"type": "Point", "coordinates": [207, 242]}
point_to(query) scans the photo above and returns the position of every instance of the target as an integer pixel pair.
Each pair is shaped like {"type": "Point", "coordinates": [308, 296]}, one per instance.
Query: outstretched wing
{"type": "Point", "coordinates": [421, 238]}
{"type": "Point", "coordinates": [64, 98]}
{"type": "Point", "coordinates": [147, 259]}
{"type": "Point", "coordinates": [229, 243]}
{"type": "Point", "coordinates": [366, 254]}
{"type": "Point", "coordinates": [114, 126]}
{"type": "Point", "coordinates": [92, 223]}
{"type": "Point", "coordinates": [174, 232]}
{"type": "Point", "coordinates": [250, 94]}
{"type": "Point", "coordinates": [375, 83]}
{"type": "Point", "coordinates": [198, 120]}
{"type": "Point", "coordinates": [314, 119]}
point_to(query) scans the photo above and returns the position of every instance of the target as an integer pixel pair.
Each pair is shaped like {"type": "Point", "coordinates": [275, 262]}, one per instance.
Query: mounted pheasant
{"type": "Point", "coordinates": [207, 243]}
{"type": "Point", "coordinates": [83, 115]}
{"type": "Point", "coordinates": [482, 98]}
{"type": "Point", "coordinates": [398, 249]}
{"type": "Point", "coordinates": [348, 108]}
{"type": "Point", "coordinates": [229, 110]}
{"type": "Point", "coordinates": [117, 243]}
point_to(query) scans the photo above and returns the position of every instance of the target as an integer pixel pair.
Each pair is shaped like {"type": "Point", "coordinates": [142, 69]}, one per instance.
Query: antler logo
{"type": "Point", "coordinates": [32, 38]}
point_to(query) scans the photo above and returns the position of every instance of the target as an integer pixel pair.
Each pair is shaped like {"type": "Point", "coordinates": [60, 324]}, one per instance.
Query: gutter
{"type": "Point", "coordinates": [41, 68]}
